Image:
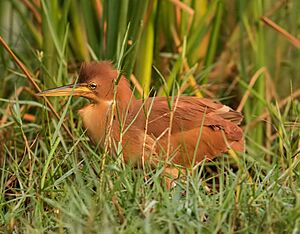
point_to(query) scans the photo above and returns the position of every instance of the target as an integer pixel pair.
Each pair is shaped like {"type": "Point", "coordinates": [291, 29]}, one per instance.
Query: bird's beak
{"type": "Point", "coordinates": [67, 90]}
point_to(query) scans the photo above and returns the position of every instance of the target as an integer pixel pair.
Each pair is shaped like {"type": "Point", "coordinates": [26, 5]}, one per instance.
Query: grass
{"type": "Point", "coordinates": [51, 182]}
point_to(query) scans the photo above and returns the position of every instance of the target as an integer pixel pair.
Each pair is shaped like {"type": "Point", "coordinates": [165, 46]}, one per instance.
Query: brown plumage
{"type": "Point", "coordinates": [201, 128]}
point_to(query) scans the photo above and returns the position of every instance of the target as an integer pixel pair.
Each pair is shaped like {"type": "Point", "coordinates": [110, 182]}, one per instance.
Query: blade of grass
{"type": "Point", "coordinates": [145, 53]}
{"type": "Point", "coordinates": [213, 42]}
{"type": "Point", "coordinates": [31, 80]}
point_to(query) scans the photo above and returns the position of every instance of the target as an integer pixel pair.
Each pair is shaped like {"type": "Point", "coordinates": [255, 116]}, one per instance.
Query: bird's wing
{"type": "Point", "coordinates": [188, 113]}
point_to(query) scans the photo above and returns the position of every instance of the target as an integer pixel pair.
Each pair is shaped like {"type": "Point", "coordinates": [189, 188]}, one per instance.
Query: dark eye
{"type": "Point", "coordinates": [92, 86]}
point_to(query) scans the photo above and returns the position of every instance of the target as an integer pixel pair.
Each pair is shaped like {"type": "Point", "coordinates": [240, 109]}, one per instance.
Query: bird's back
{"type": "Point", "coordinates": [188, 113]}
{"type": "Point", "coordinates": [197, 125]}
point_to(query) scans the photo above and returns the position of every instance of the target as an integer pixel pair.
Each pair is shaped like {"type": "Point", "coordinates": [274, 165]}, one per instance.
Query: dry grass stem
{"type": "Point", "coordinates": [137, 85]}
{"type": "Point", "coordinates": [191, 80]}
{"type": "Point", "coordinates": [293, 40]}
{"type": "Point", "coordinates": [32, 8]}
{"type": "Point", "coordinates": [30, 78]}
{"type": "Point", "coordinates": [250, 86]}
{"type": "Point", "coordinates": [281, 104]}
{"type": "Point", "coordinates": [183, 6]}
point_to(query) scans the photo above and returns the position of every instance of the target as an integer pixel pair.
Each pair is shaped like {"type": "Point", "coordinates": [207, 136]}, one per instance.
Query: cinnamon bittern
{"type": "Point", "coordinates": [183, 130]}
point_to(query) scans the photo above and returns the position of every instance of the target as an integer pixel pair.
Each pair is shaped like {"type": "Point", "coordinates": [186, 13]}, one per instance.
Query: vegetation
{"type": "Point", "coordinates": [49, 171]}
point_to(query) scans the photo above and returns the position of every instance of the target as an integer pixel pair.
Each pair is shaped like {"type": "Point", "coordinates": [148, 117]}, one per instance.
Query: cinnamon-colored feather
{"type": "Point", "coordinates": [200, 128]}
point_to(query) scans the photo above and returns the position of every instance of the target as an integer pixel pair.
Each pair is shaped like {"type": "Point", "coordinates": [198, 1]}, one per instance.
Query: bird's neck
{"type": "Point", "coordinates": [95, 120]}
{"type": "Point", "coordinates": [96, 116]}
{"type": "Point", "coordinates": [125, 98]}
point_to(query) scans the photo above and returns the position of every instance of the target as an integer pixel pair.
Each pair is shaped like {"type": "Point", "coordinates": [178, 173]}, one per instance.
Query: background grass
{"type": "Point", "coordinates": [49, 181]}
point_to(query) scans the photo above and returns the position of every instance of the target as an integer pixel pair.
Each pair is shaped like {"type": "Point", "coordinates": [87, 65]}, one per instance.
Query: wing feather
{"type": "Point", "coordinates": [189, 113]}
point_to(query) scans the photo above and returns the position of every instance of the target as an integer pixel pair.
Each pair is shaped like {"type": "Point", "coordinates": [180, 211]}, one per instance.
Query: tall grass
{"type": "Point", "coordinates": [49, 181]}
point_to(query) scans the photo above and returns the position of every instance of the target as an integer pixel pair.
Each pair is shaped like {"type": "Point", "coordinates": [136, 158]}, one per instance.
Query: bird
{"type": "Point", "coordinates": [176, 130]}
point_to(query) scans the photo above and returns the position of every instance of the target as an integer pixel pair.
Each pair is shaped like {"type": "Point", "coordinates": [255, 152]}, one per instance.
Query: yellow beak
{"type": "Point", "coordinates": [67, 90]}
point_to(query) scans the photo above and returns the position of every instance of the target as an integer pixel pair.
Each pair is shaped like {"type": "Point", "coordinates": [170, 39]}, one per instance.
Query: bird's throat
{"type": "Point", "coordinates": [95, 118]}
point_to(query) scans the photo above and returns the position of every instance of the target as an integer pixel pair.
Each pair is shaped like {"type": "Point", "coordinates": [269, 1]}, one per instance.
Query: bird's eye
{"type": "Point", "coordinates": [92, 85]}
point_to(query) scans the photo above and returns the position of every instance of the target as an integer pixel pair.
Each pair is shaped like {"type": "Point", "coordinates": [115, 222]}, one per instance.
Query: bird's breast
{"type": "Point", "coordinates": [95, 120]}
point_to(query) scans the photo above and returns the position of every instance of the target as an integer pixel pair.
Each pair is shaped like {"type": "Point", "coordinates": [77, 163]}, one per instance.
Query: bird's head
{"type": "Point", "coordinates": [96, 83]}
